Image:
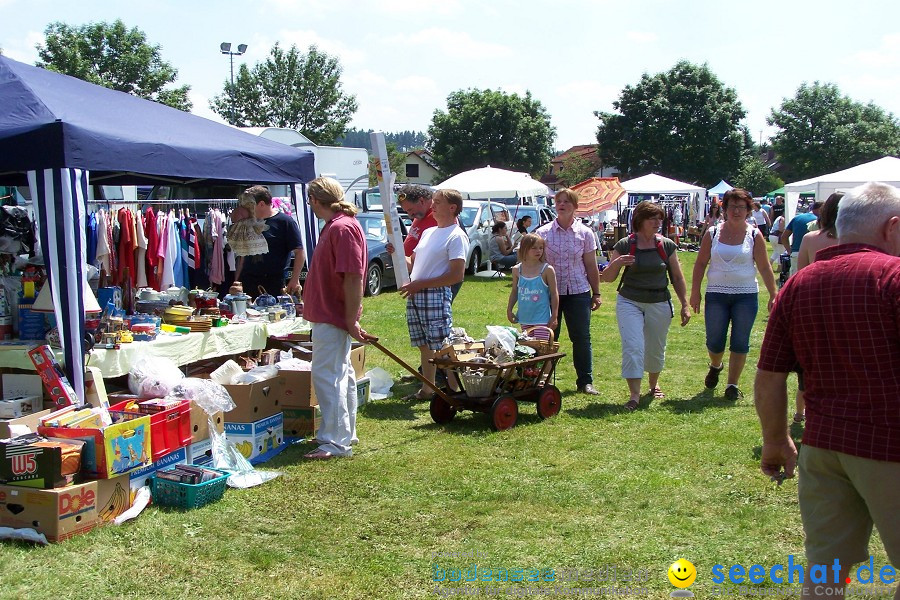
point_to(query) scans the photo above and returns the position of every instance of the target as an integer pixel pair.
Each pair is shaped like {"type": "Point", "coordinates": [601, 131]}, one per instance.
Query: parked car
{"type": "Point", "coordinates": [540, 215]}
{"type": "Point", "coordinates": [380, 269]}
{"type": "Point", "coordinates": [477, 218]}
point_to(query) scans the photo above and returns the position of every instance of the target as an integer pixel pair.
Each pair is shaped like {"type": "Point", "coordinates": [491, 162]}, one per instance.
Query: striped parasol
{"type": "Point", "coordinates": [598, 194]}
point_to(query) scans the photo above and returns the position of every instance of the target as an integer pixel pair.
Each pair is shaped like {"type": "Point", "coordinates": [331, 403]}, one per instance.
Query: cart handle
{"type": "Point", "coordinates": [443, 395]}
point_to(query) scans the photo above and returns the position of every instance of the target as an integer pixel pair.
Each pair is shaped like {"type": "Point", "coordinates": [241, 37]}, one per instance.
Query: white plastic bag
{"type": "Point", "coordinates": [228, 458]}
{"type": "Point", "coordinates": [380, 383]}
{"type": "Point", "coordinates": [205, 393]}
{"type": "Point", "coordinates": [256, 374]}
{"type": "Point", "coordinates": [154, 378]}
{"type": "Point", "coordinates": [501, 341]}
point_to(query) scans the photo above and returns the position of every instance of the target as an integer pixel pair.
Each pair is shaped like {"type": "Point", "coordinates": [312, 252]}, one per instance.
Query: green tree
{"type": "Point", "coordinates": [576, 169]}
{"type": "Point", "coordinates": [821, 130]}
{"type": "Point", "coordinates": [111, 55]}
{"type": "Point", "coordinates": [293, 90]}
{"type": "Point", "coordinates": [755, 177]}
{"type": "Point", "coordinates": [683, 123]}
{"type": "Point", "coordinates": [396, 159]}
{"type": "Point", "coordinates": [487, 127]}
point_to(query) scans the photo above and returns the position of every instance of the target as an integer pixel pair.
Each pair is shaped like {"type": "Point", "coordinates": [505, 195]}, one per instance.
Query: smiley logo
{"type": "Point", "coordinates": [682, 573]}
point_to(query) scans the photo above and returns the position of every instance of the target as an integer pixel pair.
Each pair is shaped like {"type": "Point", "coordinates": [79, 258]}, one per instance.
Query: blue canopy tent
{"type": "Point", "coordinates": [720, 188]}
{"type": "Point", "coordinates": [58, 133]}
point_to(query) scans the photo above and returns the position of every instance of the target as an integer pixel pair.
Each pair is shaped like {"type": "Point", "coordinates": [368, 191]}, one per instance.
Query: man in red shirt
{"type": "Point", "coordinates": [332, 302]}
{"type": "Point", "coordinates": [417, 202]}
{"type": "Point", "coordinates": [839, 320]}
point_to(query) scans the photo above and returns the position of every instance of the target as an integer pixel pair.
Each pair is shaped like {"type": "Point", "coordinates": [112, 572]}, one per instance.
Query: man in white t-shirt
{"type": "Point", "coordinates": [438, 262]}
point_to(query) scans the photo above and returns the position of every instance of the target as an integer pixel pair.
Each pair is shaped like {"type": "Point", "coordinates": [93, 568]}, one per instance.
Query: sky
{"type": "Point", "coordinates": [402, 58]}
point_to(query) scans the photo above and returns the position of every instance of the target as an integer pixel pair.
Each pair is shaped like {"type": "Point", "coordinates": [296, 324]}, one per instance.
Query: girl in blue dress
{"type": "Point", "coordinates": [533, 286]}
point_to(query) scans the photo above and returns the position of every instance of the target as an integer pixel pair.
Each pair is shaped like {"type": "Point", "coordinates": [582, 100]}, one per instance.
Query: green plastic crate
{"type": "Point", "coordinates": [186, 495]}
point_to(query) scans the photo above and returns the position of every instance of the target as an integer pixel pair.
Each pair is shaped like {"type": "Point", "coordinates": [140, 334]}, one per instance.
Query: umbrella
{"type": "Point", "coordinates": [489, 182]}
{"type": "Point", "coordinates": [598, 194]}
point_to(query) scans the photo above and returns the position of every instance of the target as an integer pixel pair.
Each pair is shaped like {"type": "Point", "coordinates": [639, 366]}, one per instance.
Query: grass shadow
{"type": "Point", "coordinates": [697, 403]}
{"type": "Point", "coordinates": [392, 409]}
{"type": "Point", "coordinates": [597, 410]}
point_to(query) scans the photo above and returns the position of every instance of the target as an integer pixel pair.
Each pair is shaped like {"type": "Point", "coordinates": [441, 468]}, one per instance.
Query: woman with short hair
{"type": "Point", "coordinates": [731, 249]}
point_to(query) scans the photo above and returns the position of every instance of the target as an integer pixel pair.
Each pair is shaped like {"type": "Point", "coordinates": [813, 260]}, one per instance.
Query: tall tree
{"type": "Point", "coordinates": [487, 127]}
{"type": "Point", "coordinates": [683, 123]}
{"type": "Point", "coordinates": [111, 55]}
{"type": "Point", "coordinates": [755, 177]}
{"type": "Point", "coordinates": [821, 130]}
{"type": "Point", "coordinates": [576, 169]}
{"type": "Point", "coordinates": [293, 90]}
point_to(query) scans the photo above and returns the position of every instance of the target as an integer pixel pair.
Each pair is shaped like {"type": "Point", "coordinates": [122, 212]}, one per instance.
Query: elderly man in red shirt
{"type": "Point", "coordinates": [332, 302]}
{"type": "Point", "coordinates": [839, 320]}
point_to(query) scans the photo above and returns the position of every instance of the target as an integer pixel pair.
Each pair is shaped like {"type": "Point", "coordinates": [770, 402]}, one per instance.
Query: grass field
{"type": "Point", "coordinates": [593, 488]}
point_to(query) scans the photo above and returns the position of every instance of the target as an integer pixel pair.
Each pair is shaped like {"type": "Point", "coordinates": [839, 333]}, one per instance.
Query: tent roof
{"type": "Point", "coordinates": [49, 120]}
{"type": "Point", "coordinates": [885, 169]}
{"type": "Point", "coordinates": [598, 194]}
{"type": "Point", "coordinates": [720, 188]}
{"type": "Point", "coordinates": [657, 184]}
{"type": "Point", "coordinates": [488, 182]}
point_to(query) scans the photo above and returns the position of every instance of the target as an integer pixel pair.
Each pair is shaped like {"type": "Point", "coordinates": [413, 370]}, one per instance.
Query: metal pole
{"type": "Point", "coordinates": [233, 114]}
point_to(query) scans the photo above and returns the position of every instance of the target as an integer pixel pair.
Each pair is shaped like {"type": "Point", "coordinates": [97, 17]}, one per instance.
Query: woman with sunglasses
{"type": "Point", "coordinates": [731, 249]}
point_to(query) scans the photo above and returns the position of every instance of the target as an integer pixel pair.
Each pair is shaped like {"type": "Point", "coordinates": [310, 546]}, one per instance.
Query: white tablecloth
{"type": "Point", "coordinates": [182, 349]}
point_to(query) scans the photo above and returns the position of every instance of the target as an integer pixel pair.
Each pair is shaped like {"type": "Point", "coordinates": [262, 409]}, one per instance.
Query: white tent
{"type": "Point", "coordinates": [491, 183]}
{"type": "Point", "coordinates": [885, 170]}
{"type": "Point", "coordinates": [657, 184]}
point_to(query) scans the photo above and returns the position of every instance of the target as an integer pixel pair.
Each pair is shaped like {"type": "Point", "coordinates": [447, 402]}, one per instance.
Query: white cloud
{"type": "Point", "coordinates": [23, 49]}
{"type": "Point", "coordinates": [452, 44]}
{"type": "Point", "coordinates": [305, 38]}
{"type": "Point", "coordinates": [423, 7]}
{"type": "Point", "coordinates": [641, 37]}
{"type": "Point", "coordinates": [887, 55]}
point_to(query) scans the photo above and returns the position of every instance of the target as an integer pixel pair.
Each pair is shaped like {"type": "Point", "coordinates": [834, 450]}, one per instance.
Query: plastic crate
{"type": "Point", "coordinates": [186, 495]}
{"type": "Point", "coordinates": [169, 429]}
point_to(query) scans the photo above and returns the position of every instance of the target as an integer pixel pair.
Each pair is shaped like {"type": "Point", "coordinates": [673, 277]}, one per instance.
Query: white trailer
{"type": "Point", "coordinates": [350, 166]}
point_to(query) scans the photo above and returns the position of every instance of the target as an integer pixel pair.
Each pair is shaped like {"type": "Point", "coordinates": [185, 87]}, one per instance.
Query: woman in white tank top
{"type": "Point", "coordinates": [733, 251]}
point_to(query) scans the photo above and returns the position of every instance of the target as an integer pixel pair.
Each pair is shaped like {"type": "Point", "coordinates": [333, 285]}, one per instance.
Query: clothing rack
{"type": "Point", "coordinates": [215, 201]}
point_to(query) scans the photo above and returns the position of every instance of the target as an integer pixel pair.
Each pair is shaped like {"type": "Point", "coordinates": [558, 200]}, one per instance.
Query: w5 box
{"type": "Point", "coordinates": [58, 514]}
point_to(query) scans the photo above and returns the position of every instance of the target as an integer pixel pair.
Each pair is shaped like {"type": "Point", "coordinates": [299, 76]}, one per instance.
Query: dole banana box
{"type": "Point", "coordinates": [258, 438]}
{"type": "Point", "coordinates": [301, 422]}
{"type": "Point", "coordinates": [113, 498]}
{"type": "Point", "coordinates": [58, 514]}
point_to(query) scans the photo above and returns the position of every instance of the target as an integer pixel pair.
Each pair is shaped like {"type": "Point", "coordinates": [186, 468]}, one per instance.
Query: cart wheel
{"type": "Point", "coordinates": [504, 413]}
{"type": "Point", "coordinates": [441, 411]}
{"type": "Point", "coordinates": [549, 401]}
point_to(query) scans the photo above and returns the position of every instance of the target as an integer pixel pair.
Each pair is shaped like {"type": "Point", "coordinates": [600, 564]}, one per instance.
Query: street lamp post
{"type": "Point", "coordinates": [225, 48]}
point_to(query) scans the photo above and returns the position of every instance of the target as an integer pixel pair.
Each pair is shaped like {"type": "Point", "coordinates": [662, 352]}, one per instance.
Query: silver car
{"type": "Point", "coordinates": [477, 218]}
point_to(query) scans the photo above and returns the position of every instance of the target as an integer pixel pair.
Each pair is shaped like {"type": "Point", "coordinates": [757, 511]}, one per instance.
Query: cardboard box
{"type": "Point", "coordinates": [301, 422]}
{"type": "Point", "coordinates": [58, 514]}
{"type": "Point", "coordinates": [113, 498]}
{"type": "Point", "coordinates": [297, 388]}
{"type": "Point", "coordinates": [55, 382]}
{"type": "Point", "coordinates": [255, 401]}
{"type": "Point", "coordinates": [200, 423]}
{"type": "Point", "coordinates": [139, 478]}
{"type": "Point", "coordinates": [200, 453]}
{"type": "Point", "coordinates": [13, 408]}
{"type": "Point", "coordinates": [363, 386]}
{"type": "Point", "coordinates": [113, 450]}
{"type": "Point", "coordinates": [22, 425]}
{"type": "Point", "coordinates": [257, 438]}
{"type": "Point", "coordinates": [18, 384]}
{"type": "Point", "coordinates": [23, 463]}
{"type": "Point", "coordinates": [304, 351]}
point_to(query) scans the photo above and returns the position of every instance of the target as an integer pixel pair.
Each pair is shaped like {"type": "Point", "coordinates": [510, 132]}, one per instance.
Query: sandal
{"type": "Point", "coordinates": [417, 397]}
{"type": "Point", "coordinates": [631, 405]}
{"type": "Point", "coordinates": [657, 393]}
{"type": "Point", "coordinates": [798, 418]}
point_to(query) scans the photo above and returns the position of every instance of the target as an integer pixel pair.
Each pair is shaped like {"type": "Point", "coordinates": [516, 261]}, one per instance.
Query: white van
{"type": "Point", "coordinates": [350, 166]}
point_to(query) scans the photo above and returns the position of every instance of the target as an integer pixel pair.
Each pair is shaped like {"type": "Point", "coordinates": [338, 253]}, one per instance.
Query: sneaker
{"type": "Point", "coordinates": [712, 378]}
{"type": "Point", "coordinates": [733, 393]}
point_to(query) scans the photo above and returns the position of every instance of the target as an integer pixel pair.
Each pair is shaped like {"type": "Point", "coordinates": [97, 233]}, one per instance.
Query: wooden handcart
{"type": "Point", "coordinates": [495, 389]}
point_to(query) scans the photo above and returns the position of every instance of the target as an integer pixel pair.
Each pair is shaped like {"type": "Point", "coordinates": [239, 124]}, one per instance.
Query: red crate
{"type": "Point", "coordinates": [169, 429]}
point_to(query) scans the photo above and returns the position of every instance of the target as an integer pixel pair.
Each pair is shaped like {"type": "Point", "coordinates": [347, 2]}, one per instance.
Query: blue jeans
{"type": "Point", "coordinates": [739, 310]}
{"type": "Point", "coordinates": [575, 310]}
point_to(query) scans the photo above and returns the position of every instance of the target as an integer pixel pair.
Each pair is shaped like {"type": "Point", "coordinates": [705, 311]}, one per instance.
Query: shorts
{"type": "Point", "coordinates": [737, 309]}
{"type": "Point", "coordinates": [841, 497]}
{"type": "Point", "coordinates": [429, 317]}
